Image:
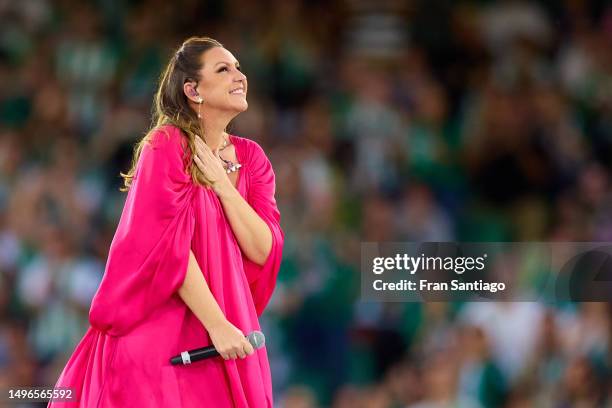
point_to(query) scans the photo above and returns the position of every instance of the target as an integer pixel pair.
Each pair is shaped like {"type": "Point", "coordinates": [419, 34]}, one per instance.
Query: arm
{"type": "Point", "coordinates": [261, 244]}
{"type": "Point", "coordinates": [252, 233]}
{"type": "Point", "coordinates": [148, 255]}
{"type": "Point", "coordinates": [227, 339]}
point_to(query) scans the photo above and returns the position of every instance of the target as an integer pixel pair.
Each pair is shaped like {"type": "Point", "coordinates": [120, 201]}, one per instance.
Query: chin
{"type": "Point", "coordinates": [235, 106]}
{"type": "Point", "coordinates": [243, 106]}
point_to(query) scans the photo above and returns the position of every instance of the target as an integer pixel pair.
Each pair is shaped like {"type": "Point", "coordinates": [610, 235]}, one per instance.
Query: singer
{"type": "Point", "coordinates": [195, 256]}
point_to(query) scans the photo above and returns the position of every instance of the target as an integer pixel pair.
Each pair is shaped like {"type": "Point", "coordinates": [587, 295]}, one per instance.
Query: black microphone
{"type": "Point", "coordinates": [256, 338]}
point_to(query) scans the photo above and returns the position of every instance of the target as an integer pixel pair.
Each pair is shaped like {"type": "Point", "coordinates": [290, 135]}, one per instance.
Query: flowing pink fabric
{"type": "Point", "coordinates": [138, 321]}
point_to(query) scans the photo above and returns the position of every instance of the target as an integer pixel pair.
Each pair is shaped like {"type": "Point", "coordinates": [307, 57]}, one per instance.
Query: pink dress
{"type": "Point", "coordinates": [138, 321]}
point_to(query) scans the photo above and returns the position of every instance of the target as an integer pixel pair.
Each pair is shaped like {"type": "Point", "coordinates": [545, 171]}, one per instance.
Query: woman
{"type": "Point", "coordinates": [194, 259]}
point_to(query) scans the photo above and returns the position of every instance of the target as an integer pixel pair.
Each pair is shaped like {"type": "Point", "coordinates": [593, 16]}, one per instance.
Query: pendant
{"type": "Point", "coordinates": [232, 167]}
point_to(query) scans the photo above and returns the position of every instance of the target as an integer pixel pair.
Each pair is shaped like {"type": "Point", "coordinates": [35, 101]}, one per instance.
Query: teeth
{"type": "Point", "coordinates": [237, 91]}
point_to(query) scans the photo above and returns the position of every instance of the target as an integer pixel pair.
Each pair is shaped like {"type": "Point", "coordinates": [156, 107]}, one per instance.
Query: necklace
{"type": "Point", "coordinates": [229, 166]}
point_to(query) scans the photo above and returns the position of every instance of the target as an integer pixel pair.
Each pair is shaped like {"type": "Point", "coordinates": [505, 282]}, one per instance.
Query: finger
{"type": "Point", "coordinates": [199, 163]}
{"type": "Point", "coordinates": [201, 148]}
{"type": "Point", "coordinates": [198, 143]}
{"type": "Point", "coordinates": [203, 144]}
{"type": "Point", "coordinates": [212, 159]}
{"type": "Point", "coordinates": [225, 356]}
{"type": "Point", "coordinates": [241, 353]}
{"type": "Point", "coordinates": [233, 355]}
{"type": "Point", "coordinates": [202, 163]}
{"type": "Point", "coordinates": [248, 348]}
{"type": "Point", "coordinates": [206, 148]}
{"type": "Point", "coordinates": [210, 154]}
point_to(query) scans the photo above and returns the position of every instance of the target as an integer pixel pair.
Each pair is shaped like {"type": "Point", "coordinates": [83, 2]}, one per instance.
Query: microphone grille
{"type": "Point", "coordinates": [257, 339]}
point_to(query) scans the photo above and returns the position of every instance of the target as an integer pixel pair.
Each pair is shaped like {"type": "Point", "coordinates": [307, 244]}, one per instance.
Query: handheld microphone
{"type": "Point", "coordinates": [256, 338]}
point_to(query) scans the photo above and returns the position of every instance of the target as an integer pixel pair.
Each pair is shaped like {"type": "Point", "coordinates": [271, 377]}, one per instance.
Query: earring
{"type": "Point", "coordinates": [200, 100]}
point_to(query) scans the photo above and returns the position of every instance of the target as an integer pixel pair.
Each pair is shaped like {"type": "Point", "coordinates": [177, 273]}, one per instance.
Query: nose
{"type": "Point", "coordinates": [240, 76]}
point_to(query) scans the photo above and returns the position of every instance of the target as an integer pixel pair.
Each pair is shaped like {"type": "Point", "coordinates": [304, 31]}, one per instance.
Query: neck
{"type": "Point", "coordinates": [214, 130]}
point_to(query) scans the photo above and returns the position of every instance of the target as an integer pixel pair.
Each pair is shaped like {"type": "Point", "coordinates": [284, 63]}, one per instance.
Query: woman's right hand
{"type": "Point", "coordinates": [229, 341]}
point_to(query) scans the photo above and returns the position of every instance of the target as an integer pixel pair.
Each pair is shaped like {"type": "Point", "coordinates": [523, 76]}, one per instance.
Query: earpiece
{"type": "Point", "coordinates": [195, 93]}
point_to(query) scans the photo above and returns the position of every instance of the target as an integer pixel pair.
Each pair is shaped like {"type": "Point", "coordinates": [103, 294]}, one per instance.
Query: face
{"type": "Point", "coordinates": [222, 85]}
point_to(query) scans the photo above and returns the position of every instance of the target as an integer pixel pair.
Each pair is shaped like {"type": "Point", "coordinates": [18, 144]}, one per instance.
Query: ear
{"type": "Point", "coordinates": [191, 92]}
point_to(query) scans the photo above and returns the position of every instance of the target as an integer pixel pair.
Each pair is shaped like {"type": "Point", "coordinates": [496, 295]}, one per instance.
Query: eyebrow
{"type": "Point", "coordinates": [224, 62]}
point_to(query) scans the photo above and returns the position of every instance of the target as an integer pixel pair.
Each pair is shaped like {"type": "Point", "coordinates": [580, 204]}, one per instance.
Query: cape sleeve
{"type": "Point", "coordinates": [148, 256]}
{"type": "Point", "coordinates": [260, 196]}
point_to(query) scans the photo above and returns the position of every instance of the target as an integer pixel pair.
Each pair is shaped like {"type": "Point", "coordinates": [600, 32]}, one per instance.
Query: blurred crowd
{"type": "Point", "coordinates": [413, 120]}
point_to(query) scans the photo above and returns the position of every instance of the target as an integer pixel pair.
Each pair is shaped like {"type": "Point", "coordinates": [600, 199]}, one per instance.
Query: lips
{"type": "Point", "coordinates": [237, 91]}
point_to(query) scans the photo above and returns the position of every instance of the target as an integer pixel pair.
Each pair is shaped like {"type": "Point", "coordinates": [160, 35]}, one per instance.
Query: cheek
{"type": "Point", "coordinates": [214, 91]}
{"type": "Point", "coordinates": [217, 94]}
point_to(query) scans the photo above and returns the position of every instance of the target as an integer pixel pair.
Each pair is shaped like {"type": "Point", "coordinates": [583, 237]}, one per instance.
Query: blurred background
{"type": "Point", "coordinates": [407, 120]}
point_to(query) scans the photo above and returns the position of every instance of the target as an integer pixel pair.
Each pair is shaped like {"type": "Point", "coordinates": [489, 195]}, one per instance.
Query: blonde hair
{"type": "Point", "coordinates": [170, 106]}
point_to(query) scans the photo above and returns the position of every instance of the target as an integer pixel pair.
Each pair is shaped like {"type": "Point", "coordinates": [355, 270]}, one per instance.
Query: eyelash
{"type": "Point", "coordinates": [238, 68]}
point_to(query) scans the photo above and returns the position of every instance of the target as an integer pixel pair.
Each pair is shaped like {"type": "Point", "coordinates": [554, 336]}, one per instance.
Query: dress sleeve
{"type": "Point", "coordinates": [148, 256]}
{"type": "Point", "coordinates": [260, 196]}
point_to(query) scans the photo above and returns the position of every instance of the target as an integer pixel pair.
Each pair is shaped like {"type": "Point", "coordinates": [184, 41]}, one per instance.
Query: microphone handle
{"type": "Point", "coordinates": [196, 355]}
{"type": "Point", "coordinates": [256, 338]}
{"type": "Point", "coordinates": [204, 352]}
